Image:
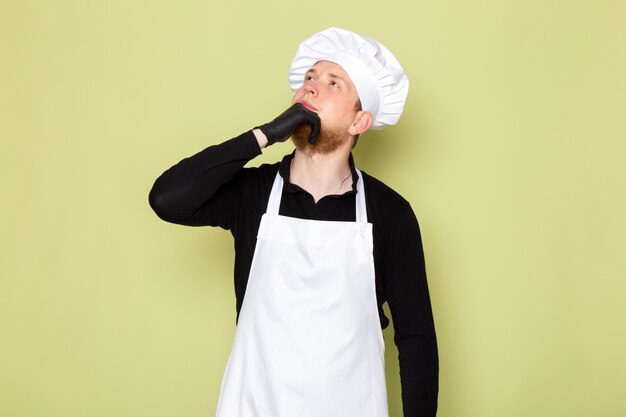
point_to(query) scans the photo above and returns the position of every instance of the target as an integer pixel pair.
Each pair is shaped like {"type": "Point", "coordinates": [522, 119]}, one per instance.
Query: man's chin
{"type": "Point", "coordinates": [326, 142]}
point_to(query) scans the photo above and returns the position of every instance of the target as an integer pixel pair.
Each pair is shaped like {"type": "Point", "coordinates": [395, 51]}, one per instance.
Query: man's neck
{"type": "Point", "coordinates": [322, 174]}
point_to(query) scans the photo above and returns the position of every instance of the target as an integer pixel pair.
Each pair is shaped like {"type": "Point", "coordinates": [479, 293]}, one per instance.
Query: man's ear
{"type": "Point", "coordinates": [362, 122]}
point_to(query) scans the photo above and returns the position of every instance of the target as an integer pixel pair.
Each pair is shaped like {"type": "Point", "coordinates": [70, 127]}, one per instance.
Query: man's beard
{"type": "Point", "coordinates": [327, 141]}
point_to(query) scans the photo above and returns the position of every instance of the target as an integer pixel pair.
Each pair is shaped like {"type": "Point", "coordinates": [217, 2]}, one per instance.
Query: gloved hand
{"type": "Point", "coordinates": [279, 129]}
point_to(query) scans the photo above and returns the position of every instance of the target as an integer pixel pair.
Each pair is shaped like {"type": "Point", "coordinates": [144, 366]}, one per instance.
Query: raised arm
{"type": "Point", "coordinates": [195, 191]}
{"type": "Point", "coordinates": [187, 192]}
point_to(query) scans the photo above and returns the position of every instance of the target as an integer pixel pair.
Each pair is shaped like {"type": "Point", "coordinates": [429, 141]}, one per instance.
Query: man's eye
{"type": "Point", "coordinates": [308, 78]}
{"type": "Point", "coordinates": [334, 84]}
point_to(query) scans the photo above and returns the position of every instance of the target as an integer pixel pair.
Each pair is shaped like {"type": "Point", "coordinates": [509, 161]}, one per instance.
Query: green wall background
{"type": "Point", "coordinates": [511, 151]}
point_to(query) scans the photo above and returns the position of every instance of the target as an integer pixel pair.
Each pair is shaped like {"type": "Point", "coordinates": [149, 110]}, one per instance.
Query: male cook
{"type": "Point", "coordinates": [320, 246]}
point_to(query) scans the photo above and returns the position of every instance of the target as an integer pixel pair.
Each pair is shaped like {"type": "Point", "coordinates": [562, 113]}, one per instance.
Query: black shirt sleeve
{"type": "Point", "coordinates": [195, 192]}
{"type": "Point", "coordinates": [406, 289]}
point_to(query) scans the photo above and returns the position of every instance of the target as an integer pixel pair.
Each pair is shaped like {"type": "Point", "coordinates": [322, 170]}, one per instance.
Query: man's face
{"type": "Point", "coordinates": [328, 91]}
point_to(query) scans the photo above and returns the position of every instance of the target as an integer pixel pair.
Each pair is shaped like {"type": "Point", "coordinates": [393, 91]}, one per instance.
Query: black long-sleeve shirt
{"type": "Point", "coordinates": [212, 188]}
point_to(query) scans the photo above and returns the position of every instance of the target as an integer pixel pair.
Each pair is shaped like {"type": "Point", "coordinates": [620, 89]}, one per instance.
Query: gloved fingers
{"type": "Point", "coordinates": [315, 122]}
{"type": "Point", "coordinates": [279, 129]}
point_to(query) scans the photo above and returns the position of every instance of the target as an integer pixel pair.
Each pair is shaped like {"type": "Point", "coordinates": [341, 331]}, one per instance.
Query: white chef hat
{"type": "Point", "coordinates": [379, 78]}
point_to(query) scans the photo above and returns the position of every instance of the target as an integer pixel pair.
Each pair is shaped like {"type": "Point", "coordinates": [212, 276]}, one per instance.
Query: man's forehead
{"type": "Point", "coordinates": [332, 69]}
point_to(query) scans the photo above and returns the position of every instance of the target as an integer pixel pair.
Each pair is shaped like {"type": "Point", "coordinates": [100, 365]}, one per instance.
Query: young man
{"type": "Point", "coordinates": [320, 246]}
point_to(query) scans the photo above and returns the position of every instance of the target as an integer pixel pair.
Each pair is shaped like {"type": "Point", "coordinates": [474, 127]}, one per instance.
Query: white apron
{"type": "Point", "coordinates": [308, 342]}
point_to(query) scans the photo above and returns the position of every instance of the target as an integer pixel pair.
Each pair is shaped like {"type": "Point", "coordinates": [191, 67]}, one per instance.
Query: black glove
{"type": "Point", "coordinates": [279, 129]}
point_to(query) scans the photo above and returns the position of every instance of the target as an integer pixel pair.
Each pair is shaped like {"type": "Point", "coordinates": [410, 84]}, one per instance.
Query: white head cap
{"type": "Point", "coordinates": [377, 75]}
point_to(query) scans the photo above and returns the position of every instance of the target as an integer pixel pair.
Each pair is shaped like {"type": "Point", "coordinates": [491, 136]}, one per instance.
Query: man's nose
{"type": "Point", "coordinates": [311, 87]}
